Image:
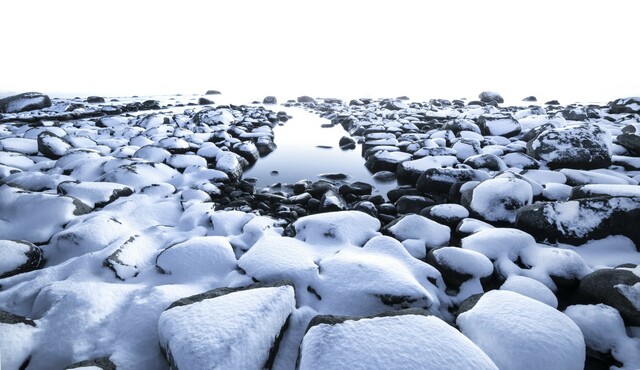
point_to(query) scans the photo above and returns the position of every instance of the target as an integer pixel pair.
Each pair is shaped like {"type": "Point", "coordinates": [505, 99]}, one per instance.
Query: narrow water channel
{"type": "Point", "coordinates": [307, 150]}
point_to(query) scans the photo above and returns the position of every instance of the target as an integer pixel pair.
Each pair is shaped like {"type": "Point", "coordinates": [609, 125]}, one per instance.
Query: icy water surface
{"type": "Point", "coordinates": [307, 150]}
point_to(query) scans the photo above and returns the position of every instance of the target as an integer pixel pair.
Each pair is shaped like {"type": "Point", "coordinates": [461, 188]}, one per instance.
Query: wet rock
{"type": "Point", "coordinates": [618, 288]}
{"type": "Point", "coordinates": [212, 92]}
{"type": "Point", "coordinates": [440, 180]}
{"type": "Point", "coordinates": [347, 143]}
{"type": "Point", "coordinates": [488, 162]}
{"type": "Point", "coordinates": [332, 201]}
{"type": "Point", "coordinates": [205, 101]}
{"type": "Point", "coordinates": [412, 203]}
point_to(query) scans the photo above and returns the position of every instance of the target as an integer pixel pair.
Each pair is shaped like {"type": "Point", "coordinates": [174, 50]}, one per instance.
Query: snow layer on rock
{"type": "Point", "coordinates": [611, 251]}
{"type": "Point", "coordinates": [233, 331]}
{"type": "Point", "coordinates": [545, 262]}
{"type": "Point", "coordinates": [464, 261]}
{"type": "Point", "coordinates": [499, 243]}
{"type": "Point", "coordinates": [521, 333]}
{"type": "Point", "coordinates": [396, 342]}
{"type": "Point", "coordinates": [337, 228]}
{"type": "Point", "coordinates": [530, 288]}
{"type": "Point", "coordinates": [91, 193]}
{"type": "Point", "coordinates": [139, 175]}
{"type": "Point", "coordinates": [17, 343]}
{"type": "Point", "coordinates": [498, 199]}
{"type": "Point", "coordinates": [199, 257]}
{"type": "Point", "coordinates": [604, 332]}
{"type": "Point", "coordinates": [418, 233]}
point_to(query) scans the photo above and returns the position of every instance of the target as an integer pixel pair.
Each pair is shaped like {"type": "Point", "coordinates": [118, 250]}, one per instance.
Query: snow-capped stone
{"type": "Point", "coordinates": [418, 234]}
{"type": "Point", "coordinates": [35, 217]}
{"type": "Point", "coordinates": [206, 257]}
{"type": "Point", "coordinates": [386, 161]}
{"type": "Point", "coordinates": [487, 162]}
{"type": "Point", "coordinates": [499, 199]}
{"type": "Point", "coordinates": [18, 256]}
{"type": "Point", "coordinates": [459, 124]}
{"type": "Point", "coordinates": [182, 161]}
{"type": "Point", "coordinates": [152, 153]}
{"type": "Point", "coordinates": [581, 177]}
{"type": "Point", "coordinates": [347, 227]}
{"type": "Point", "coordinates": [407, 339]}
{"type": "Point", "coordinates": [332, 201]}
{"type": "Point", "coordinates": [52, 146]}
{"type": "Point", "coordinates": [466, 148]}
{"type": "Point", "coordinates": [499, 243]}
{"type": "Point", "coordinates": [618, 288]}
{"type": "Point", "coordinates": [520, 160]}
{"type": "Point", "coordinates": [94, 194]}
{"type": "Point", "coordinates": [591, 191]}
{"type": "Point", "coordinates": [513, 330]}
{"type": "Point", "coordinates": [530, 288]}
{"type": "Point", "coordinates": [410, 171]}
{"type": "Point", "coordinates": [440, 180]}
{"type": "Point", "coordinates": [582, 147]}
{"type": "Point", "coordinates": [137, 175]}
{"type": "Point", "coordinates": [449, 214]}
{"type": "Point", "coordinates": [226, 328]}
{"type": "Point", "coordinates": [604, 333]}
{"type": "Point", "coordinates": [19, 145]}
{"type": "Point", "coordinates": [24, 102]}
{"type": "Point", "coordinates": [247, 150]}
{"type": "Point", "coordinates": [577, 221]}
{"type": "Point", "coordinates": [631, 142]}
{"type": "Point", "coordinates": [458, 265]}
{"type": "Point", "coordinates": [231, 164]}
{"type": "Point", "coordinates": [18, 340]}
{"type": "Point", "coordinates": [16, 160]}
{"type": "Point", "coordinates": [270, 100]}
{"type": "Point", "coordinates": [499, 124]}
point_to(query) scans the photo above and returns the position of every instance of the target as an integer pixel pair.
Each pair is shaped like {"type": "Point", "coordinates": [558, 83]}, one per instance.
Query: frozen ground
{"type": "Point", "coordinates": [130, 236]}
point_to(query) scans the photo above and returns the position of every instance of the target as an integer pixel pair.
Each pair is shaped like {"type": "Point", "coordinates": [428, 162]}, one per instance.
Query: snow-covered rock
{"type": "Point", "coordinates": [419, 234]}
{"type": "Point", "coordinates": [499, 199]}
{"type": "Point", "coordinates": [337, 228]}
{"type": "Point", "coordinates": [514, 331]}
{"type": "Point", "coordinates": [408, 339]}
{"type": "Point", "coordinates": [18, 340]}
{"type": "Point", "coordinates": [200, 257]}
{"type": "Point", "coordinates": [24, 102]}
{"type": "Point", "coordinates": [499, 125]}
{"type": "Point", "coordinates": [17, 256]}
{"type": "Point", "coordinates": [440, 180]}
{"type": "Point", "coordinates": [226, 328]}
{"type": "Point", "coordinates": [618, 288]}
{"type": "Point", "coordinates": [530, 288]}
{"type": "Point", "coordinates": [94, 194]}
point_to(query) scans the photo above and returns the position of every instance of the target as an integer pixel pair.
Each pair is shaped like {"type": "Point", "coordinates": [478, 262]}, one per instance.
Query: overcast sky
{"type": "Point", "coordinates": [586, 50]}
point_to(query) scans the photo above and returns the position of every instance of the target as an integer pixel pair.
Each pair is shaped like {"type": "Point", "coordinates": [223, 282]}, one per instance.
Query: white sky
{"type": "Point", "coordinates": [576, 49]}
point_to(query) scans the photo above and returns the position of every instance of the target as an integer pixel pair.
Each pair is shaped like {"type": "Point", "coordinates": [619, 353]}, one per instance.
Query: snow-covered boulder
{"type": "Point", "coordinates": [618, 288]}
{"type": "Point", "coordinates": [499, 199]}
{"type": "Point", "coordinates": [386, 161]}
{"type": "Point", "coordinates": [137, 175]}
{"type": "Point", "coordinates": [449, 214]}
{"type": "Point", "coordinates": [499, 124]}
{"type": "Point", "coordinates": [460, 266]}
{"type": "Point", "coordinates": [226, 328]}
{"type": "Point", "coordinates": [18, 256]}
{"type": "Point", "coordinates": [530, 288]}
{"type": "Point", "coordinates": [199, 257]}
{"type": "Point", "coordinates": [410, 171]}
{"type": "Point", "coordinates": [35, 217]}
{"type": "Point", "coordinates": [605, 334]}
{"type": "Point", "coordinates": [231, 164]}
{"type": "Point", "coordinates": [410, 339]}
{"type": "Point", "coordinates": [24, 102]}
{"type": "Point", "coordinates": [18, 340]}
{"type": "Point", "coordinates": [466, 148]}
{"type": "Point", "coordinates": [518, 332]}
{"type": "Point", "coordinates": [578, 221]}
{"type": "Point", "coordinates": [581, 147]}
{"type": "Point", "coordinates": [418, 234]}
{"type": "Point", "coordinates": [625, 105]}
{"type": "Point", "coordinates": [94, 194]}
{"type": "Point", "coordinates": [52, 146]}
{"type": "Point", "coordinates": [487, 162]}
{"type": "Point", "coordinates": [336, 228]}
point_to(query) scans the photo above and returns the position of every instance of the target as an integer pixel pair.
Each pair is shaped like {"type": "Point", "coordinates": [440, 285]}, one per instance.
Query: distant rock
{"type": "Point", "coordinates": [530, 98]}
{"type": "Point", "coordinates": [205, 101]}
{"type": "Point", "coordinates": [305, 99]}
{"type": "Point", "coordinates": [270, 100]}
{"type": "Point", "coordinates": [95, 99]}
{"type": "Point", "coordinates": [212, 92]}
{"type": "Point", "coordinates": [625, 105]}
{"type": "Point", "coordinates": [552, 102]}
{"type": "Point", "coordinates": [490, 96]}
{"type": "Point", "coordinates": [581, 147]}
{"type": "Point", "coordinates": [24, 102]}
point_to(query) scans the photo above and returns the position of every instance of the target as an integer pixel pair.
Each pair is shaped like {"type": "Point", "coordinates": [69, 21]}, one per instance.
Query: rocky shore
{"type": "Point", "coordinates": [130, 237]}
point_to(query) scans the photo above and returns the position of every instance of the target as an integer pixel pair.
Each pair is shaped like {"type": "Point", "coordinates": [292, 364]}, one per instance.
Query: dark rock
{"type": "Point", "coordinates": [625, 105]}
{"type": "Point", "coordinates": [212, 92]}
{"type": "Point", "coordinates": [103, 363]}
{"type": "Point", "coordinates": [499, 124]}
{"type": "Point", "coordinates": [574, 114]}
{"type": "Point", "coordinates": [552, 102]}
{"type": "Point", "coordinates": [52, 146]}
{"type": "Point", "coordinates": [534, 132]}
{"type": "Point", "coordinates": [265, 145]}
{"type": "Point", "coordinates": [29, 255]}
{"type": "Point", "coordinates": [452, 278]}
{"type": "Point", "coordinates": [468, 304]}
{"type": "Point", "coordinates": [356, 188]}
{"type": "Point", "coordinates": [490, 96]}
{"type": "Point", "coordinates": [270, 100]}
{"type": "Point", "coordinates": [384, 176]}
{"type": "Point", "coordinates": [334, 176]}
{"type": "Point", "coordinates": [490, 162]}
{"type": "Point", "coordinates": [386, 161]}
{"type": "Point", "coordinates": [204, 101]}
{"type": "Point", "coordinates": [440, 180]}
{"type": "Point", "coordinates": [347, 143]}
{"type": "Point", "coordinates": [530, 99]}
{"type": "Point", "coordinates": [412, 204]}
{"type": "Point", "coordinates": [24, 102]}
{"type": "Point", "coordinates": [581, 147]}
{"type": "Point", "coordinates": [460, 124]}
{"type": "Point", "coordinates": [305, 99]}
{"type": "Point", "coordinates": [332, 201]}
{"type": "Point", "coordinates": [607, 286]}
{"type": "Point", "coordinates": [447, 214]}
{"type": "Point", "coordinates": [631, 142]}
{"type": "Point", "coordinates": [396, 193]}
{"type": "Point", "coordinates": [12, 319]}
{"type": "Point", "coordinates": [247, 150]}
{"type": "Point", "coordinates": [95, 99]}
{"type": "Point", "coordinates": [578, 221]}
{"type": "Point", "coordinates": [318, 188]}
{"type": "Point", "coordinates": [366, 207]}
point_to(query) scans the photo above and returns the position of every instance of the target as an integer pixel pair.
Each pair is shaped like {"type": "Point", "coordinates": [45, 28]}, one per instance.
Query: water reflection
{"type": "Point", "coordinates": [307, 150]}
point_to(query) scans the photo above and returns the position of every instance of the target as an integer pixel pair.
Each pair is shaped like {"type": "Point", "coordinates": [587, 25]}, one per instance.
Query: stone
{"type": "Point", "coordinates": [581, 147]}
{"type": "Point", "coordinates": [440, 180]}
{"type": "Point", "coordinates": [205, 101]}
{"type": "Point", "coordinates": [631, 142]}
{"type": "Point", "coordinates": [499, 124]}
{"type": "Point", "coordinates": [347, 143]}
{"type": "Point", "coordinates": [19, 256]}
{"type": "Point", "coordinates": [613, 287]}
{"type": "Point", "coordinates": [95, 99]}
{"type": "Point", "coordinates": [332, 201]}
{"type": "Point", "coordinates": [530, 98]}
{"type": "Point", "coordinates": [490, 96]}
{"type": "Point", "coordinates": [52, 146]}
{"type": "Point", "coordinates": [412, 204]}
{"type": "Point", "coordinates": [24, 102]}
{"type": "Point", "coordinates": [625, 105]}
{"type": "Point", "coordinates": [212, 92]}
{"type": "Point", "coordinates": [270, 100]}
{"type": "Point", "coordinates": [305, 99]}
